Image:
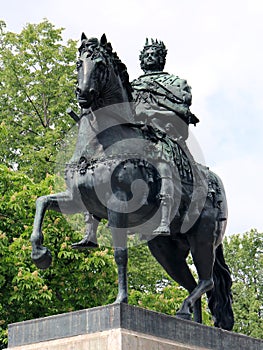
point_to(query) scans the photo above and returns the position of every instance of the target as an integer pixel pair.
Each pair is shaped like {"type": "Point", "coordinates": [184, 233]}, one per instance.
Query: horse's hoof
{"type": "Point", "coordinates": [162, 230]}
{"type": "Point", "coordinates": [121, 299]}
{"type": "Point", "coordinates": [43, 260]}
{"type": "Point", "coordinates": [184, 315]}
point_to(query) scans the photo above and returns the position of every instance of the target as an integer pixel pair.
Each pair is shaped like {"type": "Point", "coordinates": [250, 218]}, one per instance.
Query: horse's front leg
{"type": "Point", "coordinates": [40, 254]}
{"type": "Point", "coordinates": [119, 237]}
{"type": "Point", "coordinates": [121, 259]}
{"type": "Point", "coordinates": [118, 225]}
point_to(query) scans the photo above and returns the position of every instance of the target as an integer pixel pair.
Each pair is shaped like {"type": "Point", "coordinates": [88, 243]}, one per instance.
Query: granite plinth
{"type": "Point", "coordinates": [121, 326]}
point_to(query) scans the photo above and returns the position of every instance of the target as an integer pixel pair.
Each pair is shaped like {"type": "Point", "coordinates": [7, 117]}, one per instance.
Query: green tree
{"type": "Point", "coordinates": [244, 254]}
{"type": "Point", "coordinates": [74, 281]}
{"type": "Point", "coordinates": [37, 82]}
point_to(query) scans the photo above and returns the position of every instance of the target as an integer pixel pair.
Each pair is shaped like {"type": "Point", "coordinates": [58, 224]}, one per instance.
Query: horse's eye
{"type": "Point", "coordinates": [79, 64]}
{"type": "Point", "coordinates": [89, 52]}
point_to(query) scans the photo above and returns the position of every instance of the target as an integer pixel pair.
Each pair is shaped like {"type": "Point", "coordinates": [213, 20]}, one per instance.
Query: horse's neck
{"type": "Point", "coordinates": [87, 144]}
{"type": "Point", "coordinates": [115, 98]}
{"type": "Point", "coordinates": [112, 118]}
{"type": "Point", "coordinates": [101, 134]}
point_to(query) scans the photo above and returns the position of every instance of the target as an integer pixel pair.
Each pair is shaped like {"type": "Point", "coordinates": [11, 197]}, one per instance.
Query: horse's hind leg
{"type": "Point", "coordinates": [60, 202]}
{"type": "Point", "coordinates": [172, 254]}
{"type": "Point", "coordinates": [202, 243]}
{"type": "Point", "coordinates": [190, 302]}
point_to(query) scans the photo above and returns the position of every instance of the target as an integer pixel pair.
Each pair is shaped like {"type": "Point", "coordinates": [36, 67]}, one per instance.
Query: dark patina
{"type": "Point", "coordinates": [132, 166]}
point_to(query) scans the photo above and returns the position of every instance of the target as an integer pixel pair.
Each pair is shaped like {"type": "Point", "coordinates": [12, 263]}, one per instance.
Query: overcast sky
{"type": "Point", "coordinates": [215, 45]}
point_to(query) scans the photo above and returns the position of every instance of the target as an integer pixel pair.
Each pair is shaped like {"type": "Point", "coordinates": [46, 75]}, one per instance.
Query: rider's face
{"type": "Point", "coordinates": [151, 59]}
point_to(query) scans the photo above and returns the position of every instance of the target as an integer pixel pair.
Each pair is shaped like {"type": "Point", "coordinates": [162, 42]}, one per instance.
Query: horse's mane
{"type": "Point", "coordinates": [122, 71]}
{"type": "Point", "coordinates": [93, 46]}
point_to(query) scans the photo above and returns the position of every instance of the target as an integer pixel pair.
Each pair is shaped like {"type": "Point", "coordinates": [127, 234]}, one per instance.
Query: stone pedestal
{"type": "Point", "coordinates": [122, 327]}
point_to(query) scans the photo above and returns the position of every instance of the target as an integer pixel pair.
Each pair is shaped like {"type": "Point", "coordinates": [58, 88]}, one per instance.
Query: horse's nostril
{"type": "Point", "coordinates": [78, 90]}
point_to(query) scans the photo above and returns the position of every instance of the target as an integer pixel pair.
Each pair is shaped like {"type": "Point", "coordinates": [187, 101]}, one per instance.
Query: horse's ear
{"type": "Point", "coordinates": [109, 47]}
{"type": "Point", "coordinates": [103, 40]}
{"type": "Point", "coordinates": [83, 36]}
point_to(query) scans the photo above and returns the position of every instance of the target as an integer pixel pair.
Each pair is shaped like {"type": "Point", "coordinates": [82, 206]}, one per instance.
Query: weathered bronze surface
{"type": "Point", "coordinates": [132, 166]}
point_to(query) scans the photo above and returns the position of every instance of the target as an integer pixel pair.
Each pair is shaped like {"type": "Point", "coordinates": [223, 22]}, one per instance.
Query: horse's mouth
{"type": "Point", "coordinates": [84, 103]}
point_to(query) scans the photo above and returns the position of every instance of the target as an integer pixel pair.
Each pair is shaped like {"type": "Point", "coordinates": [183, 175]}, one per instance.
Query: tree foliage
{"type": "Point", "coordinates": [244, 254]}
{"type": "Point", "coordinates": [74, 281]}
{"type": "Point", "coordinates": [37, 82]}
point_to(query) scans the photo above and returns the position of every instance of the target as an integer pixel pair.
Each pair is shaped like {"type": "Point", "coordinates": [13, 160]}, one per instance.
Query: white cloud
{"type": "Point", "coordinates": [242, 178]}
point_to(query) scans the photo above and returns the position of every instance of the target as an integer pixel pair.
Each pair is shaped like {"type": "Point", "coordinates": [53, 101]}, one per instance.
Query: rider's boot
{"type": "Point", "coordinates": [166, 206]}
{"type": "Point", "coordinates": [90, 238]}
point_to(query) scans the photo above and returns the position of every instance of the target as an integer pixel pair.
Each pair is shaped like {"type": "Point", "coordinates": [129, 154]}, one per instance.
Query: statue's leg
{"type": "Point", "coordinates": [60, 202]}
{"type": "Point", "coordinates": [172, 254]}
{"type": "Point", "coordinates": [166, 196]}
{"type": "Point", "coordinates": [117, 220]}
{"type": "Point", "coordinates": [202, 245]}
{"type": "Point", "coordinates": [121, 259]}
{"type": "Point", "coordinates": [90, 238]}
{"type": "Point", "coordinates": [192, 301]}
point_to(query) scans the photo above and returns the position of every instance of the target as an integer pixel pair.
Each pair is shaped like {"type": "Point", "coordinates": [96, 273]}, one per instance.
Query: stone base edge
{"type": "Point", "coordinates": [117, 339]}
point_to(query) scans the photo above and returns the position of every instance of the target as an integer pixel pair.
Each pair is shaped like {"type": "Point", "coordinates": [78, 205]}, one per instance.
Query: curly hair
{"type": "Point", "coordinates": [160, 50]}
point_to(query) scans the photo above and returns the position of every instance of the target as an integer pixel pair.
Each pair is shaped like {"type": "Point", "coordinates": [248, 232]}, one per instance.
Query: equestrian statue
{"type": "Point", "coordinates": [132, 166]}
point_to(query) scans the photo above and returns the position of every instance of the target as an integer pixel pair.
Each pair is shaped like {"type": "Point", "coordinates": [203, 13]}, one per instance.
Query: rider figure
{"type": "Point", "coordinates": [162, 102]}
{"type": "Point", "coordinates": [162, 99]}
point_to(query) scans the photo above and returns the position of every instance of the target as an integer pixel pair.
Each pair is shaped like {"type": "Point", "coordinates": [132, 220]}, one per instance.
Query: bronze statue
{"type": "Point", "coordinates": [128, 168]}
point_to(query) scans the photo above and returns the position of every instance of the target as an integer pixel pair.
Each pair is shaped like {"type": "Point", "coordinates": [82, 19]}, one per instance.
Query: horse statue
{"type": "Point", "coordinates": [114, 174]}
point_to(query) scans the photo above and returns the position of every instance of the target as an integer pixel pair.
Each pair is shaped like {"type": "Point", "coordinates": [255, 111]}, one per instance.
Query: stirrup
{"type": "Point", "coordinates": [162, 230]}
{"type": "Point", "coordinates": [85, 243]}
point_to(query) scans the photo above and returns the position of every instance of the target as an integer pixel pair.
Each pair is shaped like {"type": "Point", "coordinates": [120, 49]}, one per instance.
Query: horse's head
{"type": "Point", "coordinates": [90, 66]}
{"type": "Point", "coordinates": [102, 77]}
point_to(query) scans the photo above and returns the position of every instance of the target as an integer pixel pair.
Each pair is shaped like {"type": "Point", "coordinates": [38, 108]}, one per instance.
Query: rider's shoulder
{"type": "Point", "coordinates": [150, 77]}
{"type": "Point", "coordinates": [178, 83]}
{"type": "Point", "coordinates": [172, 79]}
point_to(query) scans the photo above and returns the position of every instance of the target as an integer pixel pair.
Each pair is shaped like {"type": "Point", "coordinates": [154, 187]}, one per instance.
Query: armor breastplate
{"type": "Point", "coordinates": [166, 86]}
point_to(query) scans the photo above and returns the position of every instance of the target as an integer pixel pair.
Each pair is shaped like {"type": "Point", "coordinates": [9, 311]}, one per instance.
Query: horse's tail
{"type": "Point", "coordinates": [220, 297]}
